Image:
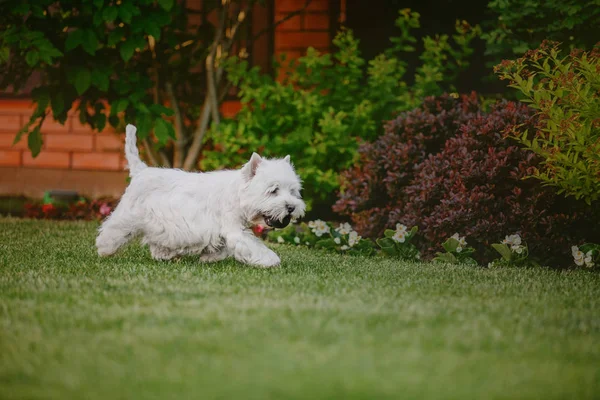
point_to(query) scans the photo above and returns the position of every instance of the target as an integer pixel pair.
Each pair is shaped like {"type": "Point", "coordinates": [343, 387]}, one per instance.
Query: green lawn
{"type": "Point", "coordinates": [323, 326]}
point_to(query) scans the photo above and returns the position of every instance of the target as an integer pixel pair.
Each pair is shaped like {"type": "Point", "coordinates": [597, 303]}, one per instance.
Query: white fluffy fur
{"type": "Point", "coordinates": [209, 214]}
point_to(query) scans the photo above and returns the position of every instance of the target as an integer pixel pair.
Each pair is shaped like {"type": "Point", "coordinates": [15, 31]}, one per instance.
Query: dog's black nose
{"type": "Point", "coordinates": [290, 208]}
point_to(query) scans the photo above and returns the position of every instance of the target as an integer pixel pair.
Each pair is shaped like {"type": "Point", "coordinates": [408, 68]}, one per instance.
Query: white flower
{"type": "Point", "coordinates": [461, 241]}
{"type": "Point", "coordinates": [297, 240]}
{"type": "Point", "coordinates": [307, 243]}
{"type": "Point", "coordinates": [344, 247]}
{"type": "Point", "coordinates": [517, 249]}
{"type": "Point", "coordinates": [418, 256]}
{"type": "Point", "coordinates": [458, 249]}
{"type": "Point", "coordinates": [578, 255]}
{"type": "Point", "coordinates": [280, 239]}
{"type": "Point", "coordinates": [337, 240]}
{"type": "Point", "coordinates": [588, 259]}
{"type": "Point", "coordinates": [353, 238]}
{"type": "Point", "coordinates": [399, 237]}
{"type": "Point", "coordinates": [512, 240]}
{"type": "Point", "coordinates": [344, 229]}
{"type": "Point", "coordinates": [401, 228]}
{"type": "Point", "coordinates": [319, 227]}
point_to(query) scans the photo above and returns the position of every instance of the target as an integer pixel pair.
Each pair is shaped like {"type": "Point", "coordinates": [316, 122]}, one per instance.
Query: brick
{"type": "Point", "coordinates": [294, 5]}
{"type": "Point", "coordinates": [109, 142]}
{"type": "Point", "coordinates": [10, 122]}
{"type": "Point", "coordinates": [10, 158]}
{"type": "Point", "coordinates": [78, 127]}
{"type": "Point", "coordinates": [97, 161]}
{"type": "Point", "coordinates": [290, 54]}
{"type": "Point", "coordinates": [7, 139]}
{"type": "Point", "coordinates": [230, 108]}
{"type": "Point", "coordinates": [69, 142]}
{"type": "Point", "coordinates": [51, 126]}
{"type": "Point", "coordinates": [316, 22]}
{"type": "Point", "coordinates": [296, 40]}
{"type": "Point", "coordinates": [47, 159]}
{"type": "Point", "coordinates": [292, 24]}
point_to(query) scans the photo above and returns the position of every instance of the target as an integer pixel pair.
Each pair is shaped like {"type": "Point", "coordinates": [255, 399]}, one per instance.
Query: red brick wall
{"type": "Point", "coordinates": [311, 28]}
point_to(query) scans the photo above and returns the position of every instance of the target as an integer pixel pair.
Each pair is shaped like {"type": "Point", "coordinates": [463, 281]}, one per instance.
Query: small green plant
{"type": "Point", "coordinates": [320, 234]}
{"type": "Point", "coordinates": [397, 243]}
{"type": "Point", "coordinates": [566, 92]}
{"type": "Point", "coordinates": [587, 255]}
{"type": "Point", "coordinates": [514, 253]}
{"type": "Point", "coordinates": [457, 251]}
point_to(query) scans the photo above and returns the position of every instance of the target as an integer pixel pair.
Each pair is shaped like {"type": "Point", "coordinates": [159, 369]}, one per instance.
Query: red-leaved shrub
{"type": "Point", "coordinates": [461, 174]}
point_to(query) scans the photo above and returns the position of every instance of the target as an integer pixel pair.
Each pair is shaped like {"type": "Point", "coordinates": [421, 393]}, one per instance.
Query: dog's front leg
{"type": "Point", "coordinates": [248, 249]}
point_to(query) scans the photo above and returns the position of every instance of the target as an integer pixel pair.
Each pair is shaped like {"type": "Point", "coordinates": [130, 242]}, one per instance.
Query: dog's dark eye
{"type": "Point", "coordinates": [274, 191]}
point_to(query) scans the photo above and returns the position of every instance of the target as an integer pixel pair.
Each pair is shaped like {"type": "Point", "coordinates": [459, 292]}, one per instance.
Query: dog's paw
{"type": "Point", "coordinates": [268, 260]}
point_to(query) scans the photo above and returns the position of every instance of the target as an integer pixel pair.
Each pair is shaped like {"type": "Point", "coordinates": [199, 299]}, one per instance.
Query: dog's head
{"type": "Point", "coordinates": [271, 192]}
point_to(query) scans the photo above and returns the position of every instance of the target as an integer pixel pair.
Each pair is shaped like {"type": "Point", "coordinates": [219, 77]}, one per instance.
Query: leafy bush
{"type": "Point", "coordinates": [372, 190]}
{"type": "Point", "coordinates": [566, 93]}
{"type": "Point", "coordinates": [521, 26]}
{"type": "Point", "coordinates": [327, 102]}
{"type": "Point", "coordinates": [460, 174]}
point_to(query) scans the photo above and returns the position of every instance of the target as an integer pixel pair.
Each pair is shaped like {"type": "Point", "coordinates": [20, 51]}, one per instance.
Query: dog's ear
{"type": "Point", "coordinates": [249, 170]}
{"type": "Point", "coordinates": [287, 159]}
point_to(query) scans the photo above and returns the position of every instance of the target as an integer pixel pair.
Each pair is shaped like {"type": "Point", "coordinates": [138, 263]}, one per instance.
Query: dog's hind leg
{"type": "Point", "coordinates": [114, 232]}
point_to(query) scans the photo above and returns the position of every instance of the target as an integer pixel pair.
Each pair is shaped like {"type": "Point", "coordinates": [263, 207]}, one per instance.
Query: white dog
{"type": "Point", "coordinates": [209, 214]}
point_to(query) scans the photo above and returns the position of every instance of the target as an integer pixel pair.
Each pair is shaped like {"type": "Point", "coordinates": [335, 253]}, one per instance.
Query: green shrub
{"type": "Point", "coordinates": [566, 92]}
{"type": "Point", "coordinates": [523, 25]}
{"type": "Point", "coordinates": [321, 109]}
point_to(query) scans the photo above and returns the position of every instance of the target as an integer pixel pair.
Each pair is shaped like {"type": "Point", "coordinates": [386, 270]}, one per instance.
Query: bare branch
{"type": "Point", "coordinates": [194, 150]}
{"type": "Point", "coordinates": [179, 145]}
{"type": "Point", "coordinates": [149, 153]}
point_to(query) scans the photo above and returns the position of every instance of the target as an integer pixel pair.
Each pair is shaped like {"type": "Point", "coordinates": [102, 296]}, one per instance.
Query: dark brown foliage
{"type": "Point", "coordinates": [447, 167]}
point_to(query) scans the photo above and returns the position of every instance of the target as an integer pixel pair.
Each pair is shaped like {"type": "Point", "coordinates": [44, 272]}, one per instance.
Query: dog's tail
{"type": "Point", "coordinates": [135, 163]}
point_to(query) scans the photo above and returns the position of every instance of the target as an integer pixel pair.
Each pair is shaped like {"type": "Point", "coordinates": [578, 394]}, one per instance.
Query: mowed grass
{"type": "Point", "coordinates": [323, 326]}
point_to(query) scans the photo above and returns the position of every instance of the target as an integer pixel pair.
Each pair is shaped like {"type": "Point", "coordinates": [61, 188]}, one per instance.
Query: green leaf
{"type": "Point", "coordinates": [450, 245]}
{"type": "Point", "coordinates": [83, 80]}
{"type": "Point", "coordinates": [127, 49]}
{"type": "Point", "coordinates": [100, 79]}
{"type": "Point", "coordinates": [58, 102]}
{"type": "Point", "coordinates": [389, 233]}
{"type": "Point", "coordinates": [118, 106]}
{"type": "Point", "coordinates": [100, 122]}
{"type": "Point", "coordinates": [109, 14]}
{"type": "Point", "coordinates": [89, 42]}
{"type": "Point", "coordinates": [74, 39]}
{"type": "Point", "coordinates": [4, 55]}
{"type": "Point", "coordinates": [326, 244]}
{"type": "Point", "coordinates": [159, 109]}
{"type": "Point", "coordinates": [113, 120]}
{"type": "Point", "coordinates": [161, 130]}
{"type": "Point", "coordinates": [446, 257]}
{"type": "Point", "coordinates": [32, 57]}
{"type": "Point", "coordinates": [166, 4]}
{"type": "Point", "coordinates": [34, 141]}
{"type": "Point", "coordinates": [144, 125]}
{"type": "Point", "coordinates": [115, 36]}
{"type": "Point", "coordinates": [98, 3]}
{"type": "Point", "coordinates": [503, 249]}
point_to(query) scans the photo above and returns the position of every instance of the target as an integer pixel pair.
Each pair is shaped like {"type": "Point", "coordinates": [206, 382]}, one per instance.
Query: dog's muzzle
{"type": "Point", "coordinates": [275, 223]}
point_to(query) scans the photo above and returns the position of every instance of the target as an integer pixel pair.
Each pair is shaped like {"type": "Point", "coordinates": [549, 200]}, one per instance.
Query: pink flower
{"type": "Point", "coordinates": [105, 209]}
